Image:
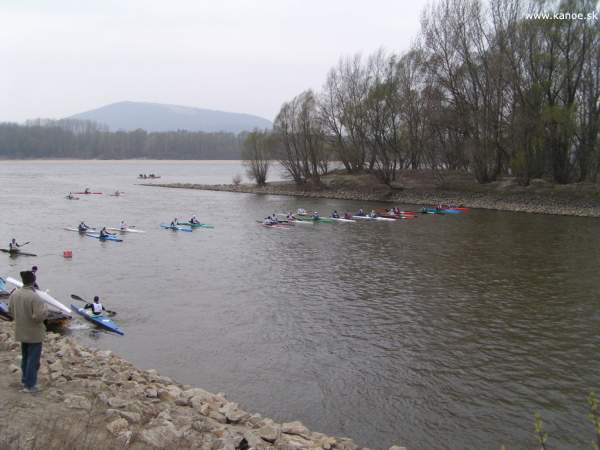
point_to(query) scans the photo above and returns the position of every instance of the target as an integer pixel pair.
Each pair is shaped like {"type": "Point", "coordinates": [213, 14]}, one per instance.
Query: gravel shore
{"type": "Point", "coordinates": [94, 399]}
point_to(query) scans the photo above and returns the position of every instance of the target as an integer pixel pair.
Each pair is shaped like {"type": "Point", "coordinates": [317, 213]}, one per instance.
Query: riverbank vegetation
{"type": "Point", "coordinates": [77, 139]}
{"type": "Point", "coordinates": [490, 89]}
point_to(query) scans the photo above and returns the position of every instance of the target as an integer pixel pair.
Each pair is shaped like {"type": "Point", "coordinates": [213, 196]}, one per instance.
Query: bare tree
{"type": "Point", "coordinates": [257, 153]}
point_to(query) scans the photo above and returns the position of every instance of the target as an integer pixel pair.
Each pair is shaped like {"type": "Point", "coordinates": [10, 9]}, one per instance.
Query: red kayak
{"type": "Point", "coordinates": [86, 193]}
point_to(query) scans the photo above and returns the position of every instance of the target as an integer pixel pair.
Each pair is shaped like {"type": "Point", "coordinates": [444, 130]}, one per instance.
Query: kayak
{"type": "Point", "coordinates": [44, 296]}
{"type": "Point", "coordinates": [384, 212]}
{"type": "Point", "coordinates": [196, 225]}
{"type": "Point", "coordinates": [76, 230]}
{"type": "Point", "coordinates": [126, 230]}
{"type": "Point", "coordinates": [106, 238]}
{"type": "Point", "coordinates": [169, 227]}
{"type": "Point", "coordinates": [86, 193]}
{"type": "Point", "coordinates": [306, 218]}
{"type": "Point", "coordinates": [16, 253]}
{"type": "Point", "coordinates": [71, 198]}
{"type": "Point", "coordinates": [341, 219]}
{"type": "Point", "coordinates": [373, 218]}
{"type": "Point", "coordinates": [441, 211]}
{"type": "Point", "coordinates": [276, 225]}
{"type": "Point", "coordinates": [4, 314]}
{"type": "Point", "coordinates": [285, 224]}
{"type": "Point", "coordinates": [397, 217]}
{"type": "Point", "coordinates": [99, 320]}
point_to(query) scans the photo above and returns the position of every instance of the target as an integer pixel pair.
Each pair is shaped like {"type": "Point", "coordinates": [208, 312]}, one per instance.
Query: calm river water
{"type": "Point", "coordinates": [442, 332]}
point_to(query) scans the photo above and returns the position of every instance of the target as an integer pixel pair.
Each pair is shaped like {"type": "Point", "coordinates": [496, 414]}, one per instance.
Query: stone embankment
{"type": "Point", "coordinates": [96, 400]}
{"type": "Point", "coordinates": [520, 201]}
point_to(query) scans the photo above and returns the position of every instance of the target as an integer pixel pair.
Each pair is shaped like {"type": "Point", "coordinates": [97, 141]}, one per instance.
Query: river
{"type": "Point", "coordinates": [445, 332]}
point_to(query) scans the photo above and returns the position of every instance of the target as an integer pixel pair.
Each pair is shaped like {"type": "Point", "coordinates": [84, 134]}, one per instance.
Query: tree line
{"type": "Point", "coordinates": [77, 139]}
{"type": "Point", "coordinates": [505, 87]}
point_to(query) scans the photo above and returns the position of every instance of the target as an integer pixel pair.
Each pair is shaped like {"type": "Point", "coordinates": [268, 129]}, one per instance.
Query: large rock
{"type": "Point", "coordinates": [160, 436]}
{"type": "Point", "coordinates": [117, 426]}
{"type": "Point", "coordinates": [197, 392]}
{"type": "Point", "coordinates": [77, 402]}
{"type": "Point", "coordinates": [269, 433]}
{"type": "Point", "coordinates": [296, 428]}
{"type": "Point", "coordinates": [233, 414]}
{"type": "Point", "coordinates": [117, 403]}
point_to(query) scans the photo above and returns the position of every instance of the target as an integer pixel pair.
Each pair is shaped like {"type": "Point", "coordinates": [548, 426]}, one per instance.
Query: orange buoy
{"type": "Point", "coordinates": [68, 254]}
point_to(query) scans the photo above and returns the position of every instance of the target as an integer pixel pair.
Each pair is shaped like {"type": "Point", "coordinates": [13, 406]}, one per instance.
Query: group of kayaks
{"type": "Point", "coordinates": [105, 233]}
{"type": "Point", "coordinates": [72, 195]}
{"type": "Point", "coordinates": [188, 226]}
{"type": "Point", "coordinates": [59, 314]}
{"type": "Point", "coordinates": [284, 220]}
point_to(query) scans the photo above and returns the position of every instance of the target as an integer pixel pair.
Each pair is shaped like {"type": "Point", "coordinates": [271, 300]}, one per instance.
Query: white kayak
{"type": "Point", "coordinates": [126, 230]}
{"type": "Point", "coordinates": [340, 219]}
{"type": "Point", "coordinates": [77, 230]}
{"type": "Point", "coordinates": [386, 219]}
{"type": "Point", "coordinates": [43, 295]}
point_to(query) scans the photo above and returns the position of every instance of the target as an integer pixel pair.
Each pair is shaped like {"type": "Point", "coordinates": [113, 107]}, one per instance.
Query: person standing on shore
{"type": "Point", "coordinates": [29, 312]}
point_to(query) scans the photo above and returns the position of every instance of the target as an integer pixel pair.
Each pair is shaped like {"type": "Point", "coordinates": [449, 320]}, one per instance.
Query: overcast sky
{"type": "Point", "coordinates": [61, 57]}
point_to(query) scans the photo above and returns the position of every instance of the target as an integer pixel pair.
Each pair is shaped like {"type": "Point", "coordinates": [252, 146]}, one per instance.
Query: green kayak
{"type": "Point", "coordinates": [196, 225]}
{"type": "Point", "coordinates": [307, 218]}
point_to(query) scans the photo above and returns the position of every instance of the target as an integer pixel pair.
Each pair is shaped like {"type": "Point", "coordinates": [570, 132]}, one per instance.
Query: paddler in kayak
{"type": "Point", "coordinates": [117, 193]}
{"type": "Point", "coordinates": [335, 215]}
{"type": "Point", "coordinates": [373, 214]}
{"type": "Point", "coordinates": [123, 226]}
{"type": "Point", "coordinates": [361, 212]}
{"type": "Point", "coordinates": [13, 247]}
{"type": "Point", "coordinates": [87, 191]}
{"type": "Point", "coordinates": [194, 220]}
{"type": "Point", "coordinates": [301, 211]}
{"type": "Point", "coordinates": [104, 234]}
{"type": "Point", "coordinates": [348, 216]}
{"type": "Point", "coordinates": [70, 196]}
{"type": "Point", "coordinates": [269, 221]}
{"type": "Point", "coordinates": [83, 227]}
{"type": "Point", "coordinates": [174, 223]}
{"type": "Point", "coordinates": [96, 307]}
{"type": "Point", "coordinates": [34, 270]}
{"type": "Point", "coordinates": [316, 215]}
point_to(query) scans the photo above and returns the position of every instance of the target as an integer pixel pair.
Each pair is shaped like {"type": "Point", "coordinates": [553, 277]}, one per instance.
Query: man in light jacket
{"type": "Point", "coordinates": [29, 313]}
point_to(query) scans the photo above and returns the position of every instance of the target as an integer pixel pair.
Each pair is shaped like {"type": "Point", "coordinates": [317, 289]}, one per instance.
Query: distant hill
{"type": "Point", "coordinates": [159, 117]}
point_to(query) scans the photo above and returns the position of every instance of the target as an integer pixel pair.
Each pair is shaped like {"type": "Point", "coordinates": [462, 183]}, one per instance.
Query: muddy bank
{"type": "Point", "coordinates": [94, 399]}
{"type": "Point", "coordinates": [536, 199]}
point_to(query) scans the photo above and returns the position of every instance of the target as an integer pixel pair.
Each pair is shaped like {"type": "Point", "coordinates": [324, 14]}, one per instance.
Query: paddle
{"type": "Point", "coordinates": [79, 299]}
{"type": "Point", "coordinates": [23, 245]}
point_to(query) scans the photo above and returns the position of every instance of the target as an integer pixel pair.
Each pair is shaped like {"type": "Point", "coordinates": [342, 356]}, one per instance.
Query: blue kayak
{"type": "Point", "coordinates": [110, 237]}
{"type": "Point", "coordinates": [100, 320]}
{"type": "Point", "coordinates": [169, 227]}
{"type": "Point", "coordinates": [441, 211]}
{"type": "Point", "coordinates": [4, 312]}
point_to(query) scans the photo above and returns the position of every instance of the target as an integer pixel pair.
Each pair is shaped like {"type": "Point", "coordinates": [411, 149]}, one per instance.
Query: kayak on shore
{"type": "Point", "coordinates": [110, 237]}
{"type": "Point", "coordinates": [16, 252]}
{"type": "Point", "coordinates": [44, 296]}
{"type": "Point", "coordinates": [169, 227]}
{"type": "Point", "coordinates": [100, 320]}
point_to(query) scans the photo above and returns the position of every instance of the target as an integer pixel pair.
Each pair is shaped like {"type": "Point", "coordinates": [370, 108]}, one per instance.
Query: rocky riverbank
{"type": "Point", "coordinates": [539, 197]}
{"type": "Point", "coordinates": [94, 399]}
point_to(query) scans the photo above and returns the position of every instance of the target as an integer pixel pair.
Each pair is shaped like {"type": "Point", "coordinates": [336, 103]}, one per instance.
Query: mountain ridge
{"type": "Point", "coordinates": [149, 116]}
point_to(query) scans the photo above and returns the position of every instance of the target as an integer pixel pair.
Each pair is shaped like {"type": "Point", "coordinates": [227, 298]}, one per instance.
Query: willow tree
{"type": "Point", "coordinates": [257, 153]}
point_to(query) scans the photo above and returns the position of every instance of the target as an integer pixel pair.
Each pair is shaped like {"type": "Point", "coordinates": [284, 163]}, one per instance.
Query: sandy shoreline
{"type": "Point", "coordinates": [94, 399]}
{"type": "Point", "coordinates": [520, 201]}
